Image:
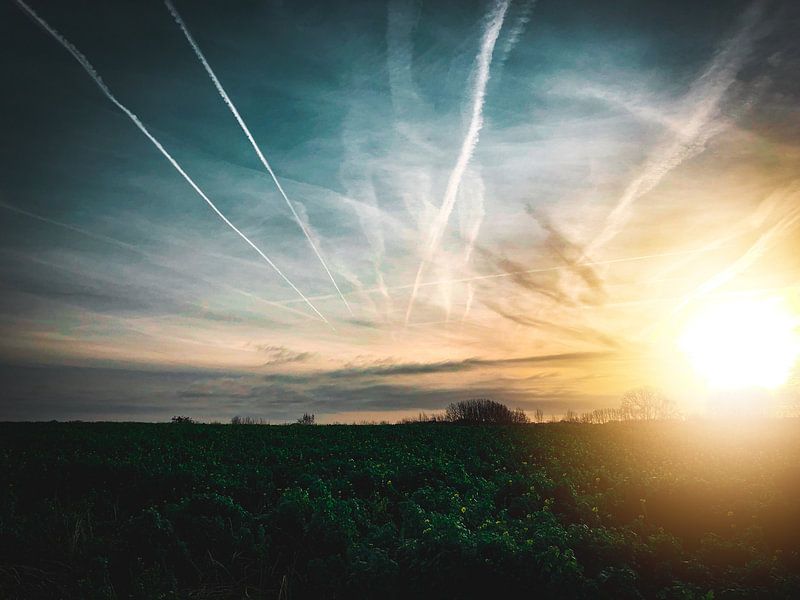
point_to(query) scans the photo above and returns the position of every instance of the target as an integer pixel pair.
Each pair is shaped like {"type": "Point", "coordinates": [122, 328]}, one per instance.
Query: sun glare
{"type": "Point", "coordinates": [743, 343]}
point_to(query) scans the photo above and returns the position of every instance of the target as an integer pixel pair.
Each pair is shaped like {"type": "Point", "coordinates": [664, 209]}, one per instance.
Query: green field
{"type": "Point", "coordinates": [624, 510]}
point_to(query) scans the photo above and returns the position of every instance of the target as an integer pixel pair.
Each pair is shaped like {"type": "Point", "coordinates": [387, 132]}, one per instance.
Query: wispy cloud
{"type": "Point", "coordinates": [280, 355]}
{"type": "Point", "coordinates": [700, 121]}
{"type": "Point", "coordinates": [582, 333]}
{"type": "Point", "coordinates": [572, 255]}
{"type": "Point", "coordinates": [787, 202]}
{"type": "Point", "coordinates": [82, 60]}
{"type": "Point", "coordinates": [481, 78]}
{"type": "Point", "coordinates": [521, 20]}
{"type": "Point", "coordinates": [544, 281]}
{"type": "Point", "coordinates": [303, 226]}
{"type": "Point", "coordinates": [176, 273]}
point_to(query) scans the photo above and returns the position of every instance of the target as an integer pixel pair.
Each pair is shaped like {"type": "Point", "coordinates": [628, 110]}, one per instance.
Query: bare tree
{"type": "Point", "coordinates": [483, 410]}
{"type": "Point", "coordinates": [571, 417]}
{"type": "Point", "coordinates": [538, 415]}
{"type": "Point", "coordinates": [646, 404]}
{"type": "Point", "coordinates": [602, 415]}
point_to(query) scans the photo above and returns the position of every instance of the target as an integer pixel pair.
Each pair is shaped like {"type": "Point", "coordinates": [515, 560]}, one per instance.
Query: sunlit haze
{"type": "Point", "coordinates": [738, 344]}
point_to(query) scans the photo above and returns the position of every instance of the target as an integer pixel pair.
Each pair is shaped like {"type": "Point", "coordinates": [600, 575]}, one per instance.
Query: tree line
{"type": "Point", "coordinates": [639, 404]}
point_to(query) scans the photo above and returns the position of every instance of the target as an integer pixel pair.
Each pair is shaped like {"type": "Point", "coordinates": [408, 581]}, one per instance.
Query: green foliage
{"type": "Point", "coordinates": [653, 510]}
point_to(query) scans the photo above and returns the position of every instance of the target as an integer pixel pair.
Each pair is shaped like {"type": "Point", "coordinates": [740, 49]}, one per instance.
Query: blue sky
{"type": "Point", "coordinates": [516, 199]}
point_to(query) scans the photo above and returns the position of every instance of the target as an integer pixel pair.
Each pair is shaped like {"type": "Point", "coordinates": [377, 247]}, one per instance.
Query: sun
{"type": "Point", "coordinates": [743, 343]}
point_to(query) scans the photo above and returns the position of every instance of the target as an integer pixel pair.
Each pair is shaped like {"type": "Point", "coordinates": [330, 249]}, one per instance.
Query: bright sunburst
{"type": "Point", "coordinates": [743, 343]}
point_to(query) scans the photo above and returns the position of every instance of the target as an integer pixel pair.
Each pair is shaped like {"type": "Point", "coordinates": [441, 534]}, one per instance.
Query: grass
{"type": "Point", "coordinates": [624, 510]}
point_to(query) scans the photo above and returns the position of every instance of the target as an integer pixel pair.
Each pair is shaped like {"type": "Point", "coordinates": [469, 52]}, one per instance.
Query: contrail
{"type": "Point", "coordinates": [483, 60]}
{"type": "Point", "coordinates": [521, 21]}
{"type": "Point", "coordinates": [654, 300]}
{"type": "Point", "coordinates": [470, 298]}
{"type": "Point", "coordinates": [153, 259]}
{"type": "Point", "coordinates": [251, 139]}
{"type": "Point", "coordinates": [504, 274]}
{"type": "Point", "coordinates": [746, 260]}
{"type": "Point", "coordinates": [87, 66]}
{"type": "Point", "coordinates": [691, 137]}
{"type": "Point", "coordinates": [472, 230]}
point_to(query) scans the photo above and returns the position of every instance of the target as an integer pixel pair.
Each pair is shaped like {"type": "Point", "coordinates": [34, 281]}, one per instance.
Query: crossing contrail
{"type": "Point", "coordinates": [700, 121]}
{"type": "Point", "coordinates": [504, 274]}
{"type": "Point", "coordinates": [87, 66]}
{"type": "Point", "coordinates": [251, 139]}
{"type": "Point", "coordinates": [756, 251]}
{"type": "Point", "coordinates": [149, 256]}
{"type": "Point", "coordinates": [484, 60]}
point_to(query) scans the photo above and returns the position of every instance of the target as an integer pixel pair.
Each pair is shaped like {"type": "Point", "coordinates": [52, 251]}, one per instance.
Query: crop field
{"type": "Point", "coordinates": [623, 510]}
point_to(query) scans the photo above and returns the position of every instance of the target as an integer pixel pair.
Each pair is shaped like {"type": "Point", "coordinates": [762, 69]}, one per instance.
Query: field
{"type": "Point", "coordinates": [624, 510]}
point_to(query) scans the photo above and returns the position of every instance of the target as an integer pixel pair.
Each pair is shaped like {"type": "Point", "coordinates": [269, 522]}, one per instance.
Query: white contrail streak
{"type": "Point", "coordinates": [87, 66]}
{"type": "Point", "coordinates": [193, 43]}
{"type": "Point", "coordinates": [484, 61]}
{"type": "Point", "coordinates": [695, 129]}
{"type": "Point", "coordinates": [504, 274]}
{"type": "Point", "coordinates": [152, 258]}
{"type": "Point", "coordinates": [470, 232]}
{"type": "Point", "coordinates": [468, 305]}
{"type": "Point", "coordinates": [644, 301]}
{"type": "Point", "coordinates": [746, 260]}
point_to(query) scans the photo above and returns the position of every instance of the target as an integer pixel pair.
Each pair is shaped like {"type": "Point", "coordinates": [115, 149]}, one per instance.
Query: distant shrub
{"type": "Point", "coordinates": [181, 419]}
{"type": "Point", "coordinates": [424, 417]}
{"type": "Point", "coordinates": [306, 419]}
{"type": "Point", "coordinates": [239, 420]}
{"type": "Point", "coordinates": [485, 411]}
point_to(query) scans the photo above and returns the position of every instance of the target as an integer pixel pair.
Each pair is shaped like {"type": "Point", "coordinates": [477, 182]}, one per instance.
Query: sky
{"type": "Point", "coordinates": [373, 208]}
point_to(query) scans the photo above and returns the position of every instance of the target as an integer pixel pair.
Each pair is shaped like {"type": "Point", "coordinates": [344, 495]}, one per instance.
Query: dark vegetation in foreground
{"type": "Point", "coordinates": [623, 510]}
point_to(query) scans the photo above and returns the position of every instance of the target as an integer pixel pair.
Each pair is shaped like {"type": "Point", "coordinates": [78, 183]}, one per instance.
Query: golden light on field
{"type": "Point", "coordinates": [743, 343]}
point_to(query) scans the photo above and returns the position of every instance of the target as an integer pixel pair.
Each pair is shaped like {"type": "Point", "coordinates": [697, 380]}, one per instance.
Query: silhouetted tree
{"type": "Point", "coordinates": [602, 415]}
{"type": "Point", "coordinates": [571, 417]}
{"type": "Point", "coordinates": [181, 419]}
{"type": "Point", "coordinates": [483, 410]}
{"type": "Point", "coordinates": [306, 419]}
{"type": "Point", "coordinates": [423, 417]}
{"type": "Point", "coordinates": [239, 420]}
{"type": "Point", "coordinates": [646, 404]}
{"type": "Point", "coordinates": [538, 415]}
